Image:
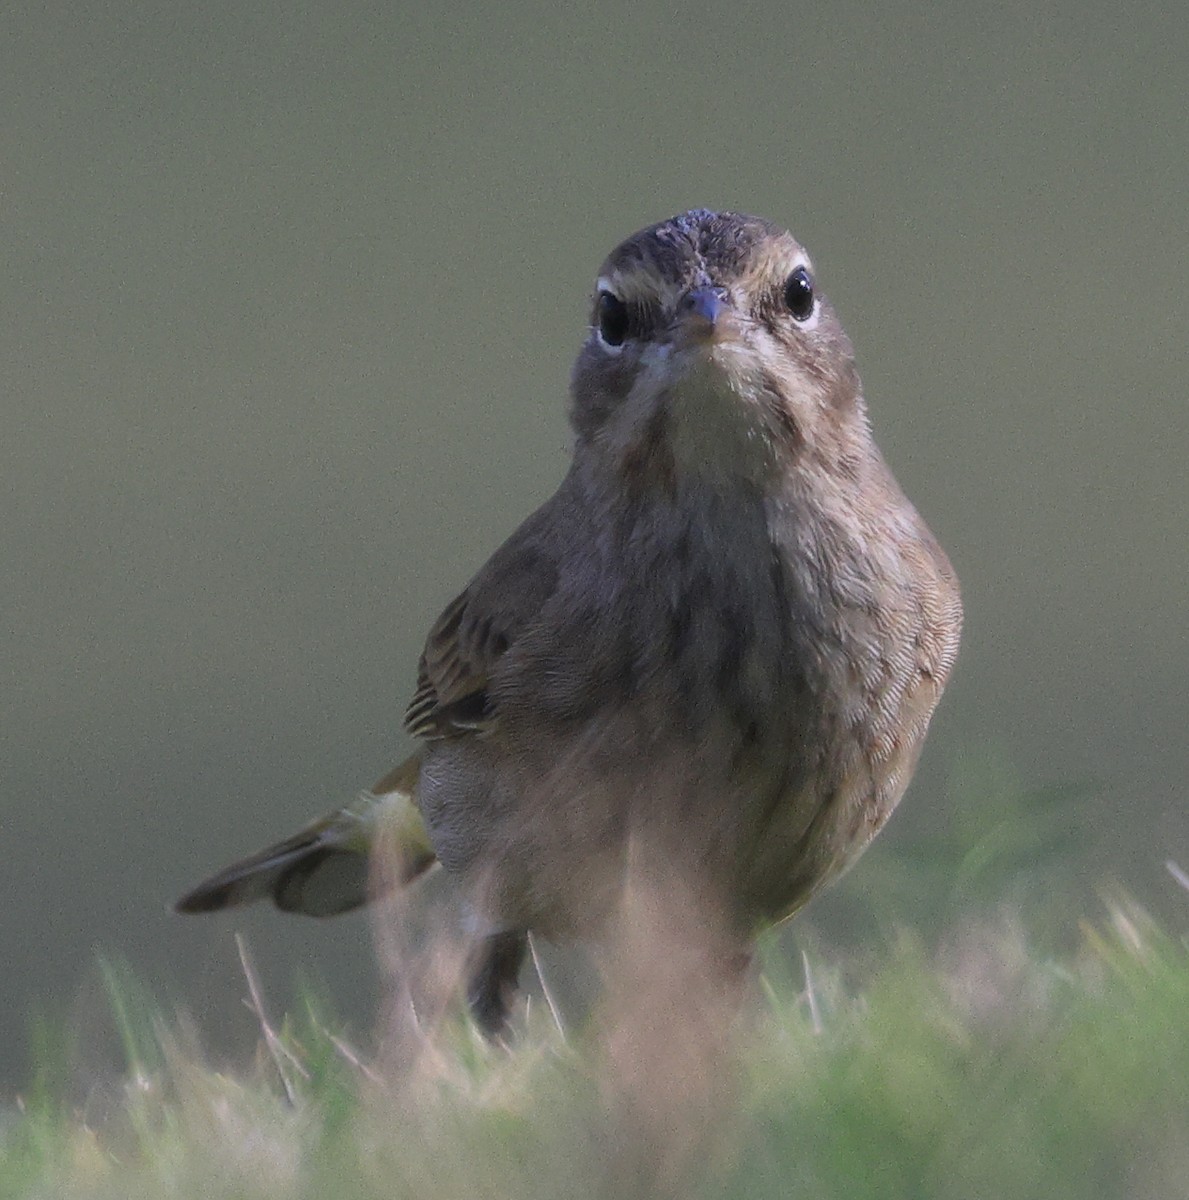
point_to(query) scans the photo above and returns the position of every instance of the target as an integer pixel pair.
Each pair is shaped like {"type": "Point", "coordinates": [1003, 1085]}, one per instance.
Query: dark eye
{"type": "Point", "coordinates": [798, 294]}
{"type": "Point", "coordinates": [612, 316]}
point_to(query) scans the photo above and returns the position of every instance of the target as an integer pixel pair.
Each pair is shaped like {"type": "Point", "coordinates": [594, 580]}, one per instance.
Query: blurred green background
{"type": "Point", "coordinates": [288, 301]}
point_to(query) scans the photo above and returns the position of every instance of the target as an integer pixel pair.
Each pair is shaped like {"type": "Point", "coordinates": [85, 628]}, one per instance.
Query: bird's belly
{"type": "Point", "coordinates": [696, 738]}
{"type": "Point", "coordinates": [754, 826]}
{"type": "Point", "coordinates": [812, 831]}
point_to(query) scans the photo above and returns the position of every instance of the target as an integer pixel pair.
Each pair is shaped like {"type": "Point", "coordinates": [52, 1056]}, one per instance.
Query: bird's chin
{"type": "Point", "coordinates": [713, 426]}
{"type": "Point", "coordinates": [711, 364]}
{"type": "Point", "coordinates": [691, 414]}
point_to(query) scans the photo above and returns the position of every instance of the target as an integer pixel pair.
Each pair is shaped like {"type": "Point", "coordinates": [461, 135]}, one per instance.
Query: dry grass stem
{"type": "Point", "coordinates": [279, 1053]}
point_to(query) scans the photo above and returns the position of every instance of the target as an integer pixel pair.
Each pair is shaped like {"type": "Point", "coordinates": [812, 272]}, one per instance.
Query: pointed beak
{"type": "Point", "coordinates": [705, 314]}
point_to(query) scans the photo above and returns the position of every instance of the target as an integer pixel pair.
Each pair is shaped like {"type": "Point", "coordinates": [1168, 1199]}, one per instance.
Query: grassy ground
{"type": "Point", "coordinates": [974, 1070]}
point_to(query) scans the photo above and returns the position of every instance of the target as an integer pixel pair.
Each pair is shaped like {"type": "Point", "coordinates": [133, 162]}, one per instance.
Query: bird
{"type": "Point", "coordinates": [712, 655]}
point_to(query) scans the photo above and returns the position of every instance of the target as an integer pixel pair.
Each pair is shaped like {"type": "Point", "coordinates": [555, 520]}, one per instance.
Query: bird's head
{"type": "Point", "coordinates": [713, 353]}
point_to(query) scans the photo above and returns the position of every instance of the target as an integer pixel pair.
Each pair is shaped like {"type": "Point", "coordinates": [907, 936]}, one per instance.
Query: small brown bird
{"type": "Point", "coordinates": [712, 654]}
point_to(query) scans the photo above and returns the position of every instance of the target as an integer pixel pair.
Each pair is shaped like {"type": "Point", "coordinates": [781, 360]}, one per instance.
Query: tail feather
{"type": "Point", "coordinates": [334, 864]}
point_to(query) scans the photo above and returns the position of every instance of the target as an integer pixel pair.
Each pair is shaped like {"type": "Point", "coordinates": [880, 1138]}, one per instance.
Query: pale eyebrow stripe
{"type": "Point", "coordinates": [779, 266]}
{"type": "Point", "coordinates": [639, 286]}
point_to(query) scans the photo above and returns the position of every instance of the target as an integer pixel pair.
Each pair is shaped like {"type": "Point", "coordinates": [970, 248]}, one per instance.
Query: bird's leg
{"type": "Point", "coordinates": [492, 979]}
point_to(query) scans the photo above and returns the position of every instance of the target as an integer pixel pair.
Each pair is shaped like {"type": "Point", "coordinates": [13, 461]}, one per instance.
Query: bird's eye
{"type": "Point", "coordinates": [612, 315]}
{"type": "Point", "coordinates": [798, 294]}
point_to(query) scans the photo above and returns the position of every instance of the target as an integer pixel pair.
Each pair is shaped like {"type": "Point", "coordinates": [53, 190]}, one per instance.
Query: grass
{"type": "Point", "coordinates": [976, 1069]}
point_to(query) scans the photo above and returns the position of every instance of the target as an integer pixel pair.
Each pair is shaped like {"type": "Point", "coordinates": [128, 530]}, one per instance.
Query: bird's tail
{"type": "Point", "coordinates": [334, 864]}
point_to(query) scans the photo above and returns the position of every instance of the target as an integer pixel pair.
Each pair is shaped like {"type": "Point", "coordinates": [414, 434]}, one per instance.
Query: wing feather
{"type": "Point", "coordinates": [474, 633]}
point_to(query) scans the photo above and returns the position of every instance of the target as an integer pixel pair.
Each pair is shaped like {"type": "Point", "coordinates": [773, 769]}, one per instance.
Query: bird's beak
{"type": "Point", "coordinates": [705, 314]}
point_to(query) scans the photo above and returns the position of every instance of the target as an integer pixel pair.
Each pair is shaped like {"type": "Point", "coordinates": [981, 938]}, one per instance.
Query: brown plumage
{"type": "Point", "coordinates": [711, 657]}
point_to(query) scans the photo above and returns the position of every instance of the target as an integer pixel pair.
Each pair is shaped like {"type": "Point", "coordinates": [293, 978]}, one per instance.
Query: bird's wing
{"type": "Point", "coordinates": [477, 629]}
